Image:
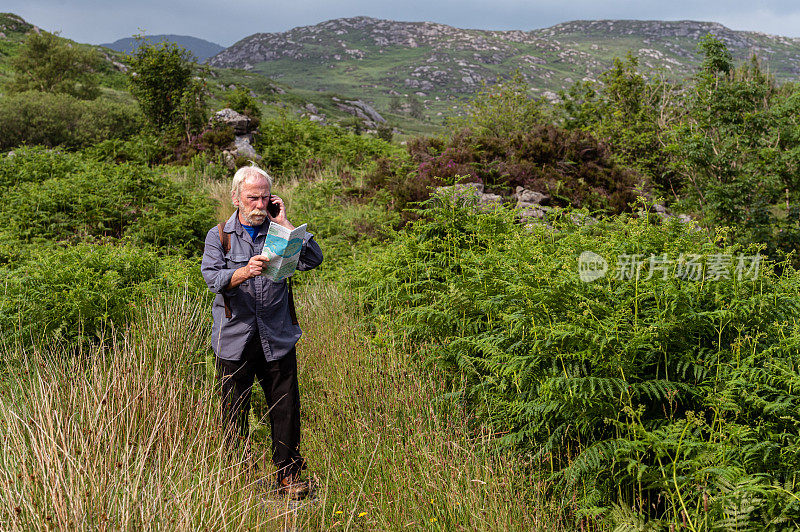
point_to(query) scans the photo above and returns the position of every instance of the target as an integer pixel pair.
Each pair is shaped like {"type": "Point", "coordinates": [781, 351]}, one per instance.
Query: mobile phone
{"type": "Point", "coordinates": [273, 208]}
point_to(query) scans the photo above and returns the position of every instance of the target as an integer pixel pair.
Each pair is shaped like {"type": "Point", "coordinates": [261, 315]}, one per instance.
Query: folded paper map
{"type": "Point", "coordinates": [282, 247]}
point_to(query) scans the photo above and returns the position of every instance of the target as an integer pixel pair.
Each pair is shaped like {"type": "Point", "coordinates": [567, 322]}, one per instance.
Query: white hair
{"type": "Point", "coordinates": [243, 173]}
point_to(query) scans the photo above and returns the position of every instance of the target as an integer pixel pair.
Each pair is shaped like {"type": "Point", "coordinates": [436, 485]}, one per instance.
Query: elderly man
{"type": "Point", "coordinates": [255, 330]}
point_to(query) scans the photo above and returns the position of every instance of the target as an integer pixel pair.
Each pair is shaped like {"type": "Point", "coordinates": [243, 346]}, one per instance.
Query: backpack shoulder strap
{"type": "Point", "coordinates": [225, 240]}
{"type": "Point", "coordinates": [292, 310]}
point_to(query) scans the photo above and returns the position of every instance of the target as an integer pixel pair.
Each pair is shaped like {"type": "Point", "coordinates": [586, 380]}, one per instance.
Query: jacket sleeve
{"type": "Point", "coordinates": [310, 255]}
{"type": "Point", "coordinates": [215, 274]}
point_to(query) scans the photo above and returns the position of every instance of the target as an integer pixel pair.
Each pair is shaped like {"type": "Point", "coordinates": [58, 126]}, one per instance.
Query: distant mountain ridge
{"type": "Point", "coordinates": [385, 57]}
{"type": "Point", "coordinates": [201, 48]}
{"type": "Point", "coordinates": [387, 64]}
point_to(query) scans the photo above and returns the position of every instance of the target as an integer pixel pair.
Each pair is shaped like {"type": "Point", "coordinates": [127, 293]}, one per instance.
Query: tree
{"type": "Point", "coordinates": [717, 60]}
{"type": "Point", "coordinates": [630, 113]}
{"type": "Point", "coordinates": [739, 150]}
{"type": "Point", "coordinates": [503, 109]}
{"type": "Point", "coordinates": [168, 85]}
{"type": "Point", "coordinates": [416, 109]}
{"type": "Point", "coordinates": [47, 63]}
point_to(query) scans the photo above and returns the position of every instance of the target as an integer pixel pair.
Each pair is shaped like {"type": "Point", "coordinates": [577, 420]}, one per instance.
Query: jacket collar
{"type": "Point", "coordinates": [233, 224]}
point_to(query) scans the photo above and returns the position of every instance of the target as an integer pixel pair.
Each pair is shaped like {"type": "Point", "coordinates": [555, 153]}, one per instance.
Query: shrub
{"type": "Point", "coordinates": [672, 396]}
{"type": "Point", "coordinates": [241, 102]}
{"type": "Point", "coordinates": [630, 112]}
{"type": "Point", "coordinates": [98, 200]}
{"type": "Point", "coordinates": [502, 109]}
{"type": "Point", "coordinates": [208, 144]}
{"type": "Point", "coordinates": [144, 148]}
{"type": "Point", "coordinates": [570, 166]}
{"type": "Point", "coordinates": [36, 164]}
{"type": "Point", "coordinates": [63, 120]}
{"type": "Point", "coordinates": [288, 145]}
{"type": "Point", "coordinates": [85, 198]}
{"type": "Point", "coordinates": [176, 220]}
{"type": "Point", "coordinates": [345, 219]}
{"type": "Point", "coordinates": [168, 85]}
{"type": "Point", "coordinates": [217, 137]}
{"type": "Point", "coordinates": [738, 150]}
{"type": "Point", "coordinates": [385, 132]}
{"type": "Point", "coordinates": [48, 63]}
{"type": "Point", "coordinates": [78, 294]}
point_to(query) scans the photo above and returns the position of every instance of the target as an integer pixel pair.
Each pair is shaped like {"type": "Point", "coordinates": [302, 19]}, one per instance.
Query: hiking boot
{"type": "Point", "coordinates": [293, 487]}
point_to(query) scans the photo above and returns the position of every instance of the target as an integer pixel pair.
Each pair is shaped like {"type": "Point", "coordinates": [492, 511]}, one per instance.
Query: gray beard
{"type": "Point", "coordinates": [252, 217]}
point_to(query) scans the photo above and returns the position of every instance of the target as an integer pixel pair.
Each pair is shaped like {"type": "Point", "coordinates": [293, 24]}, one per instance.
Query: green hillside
{"type": "Point", "coordinates": [275, 98]}
{"type": "Point", "coordinates": [442, 64]}
{"type": "Point", "coordinates": [13, 30]}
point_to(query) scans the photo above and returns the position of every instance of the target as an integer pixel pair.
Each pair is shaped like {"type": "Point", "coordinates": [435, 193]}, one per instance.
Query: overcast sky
{"type": "Point", "coordinates": [225, 22]}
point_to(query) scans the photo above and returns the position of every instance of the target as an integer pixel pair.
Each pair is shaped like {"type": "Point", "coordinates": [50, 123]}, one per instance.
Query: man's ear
{"type": "Point", "coordinates": [235, 199]}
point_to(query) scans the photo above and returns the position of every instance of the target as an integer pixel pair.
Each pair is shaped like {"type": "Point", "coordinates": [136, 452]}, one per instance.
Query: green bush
{"type": "Point", "coordinates": [35, 164]}
{"type": "Point", "coordinates": [168, 85]}
{"type": "Point", "coordinates": [345, 219]}
{"type": "Point", "coordinates": [241, 102]}
{"type": "Point", "coordinates": [672, 396]}
{"type": "Point", "coordinates": [83, 198]}
{"type": "Point", "coordinates": [46, 62]}
{"type": "Point", "coordinates": [739, 150]}
{"type": "Point", "coordinates": [63, 120]}
{"type": "Point", "coordinates": [176, 220]}
{"type": "Point", "coordinates": [143, 148]}
{"type": "Point", "coordinates": [295, 145]}
{"type": "Point", "coordinates": [571, 167]}
{"type": "Point", "coordinates": [216, 138]}
{"type": "Point", "coordinates": [78, 294]}
{"type": "Point", "coordinates": [506, 108]}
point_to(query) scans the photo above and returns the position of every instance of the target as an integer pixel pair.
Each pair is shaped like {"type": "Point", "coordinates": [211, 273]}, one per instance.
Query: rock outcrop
{"type": "Point", "coordinates": [242, 145]}
{"type": "Point", "coordinates": [531, 204]}
{"type": "Point", "coordinates": [469, 194]}
{"type": "Point", "coordinates": [311, 112]}
{"type": "Point", "coordinates": [365, 112]}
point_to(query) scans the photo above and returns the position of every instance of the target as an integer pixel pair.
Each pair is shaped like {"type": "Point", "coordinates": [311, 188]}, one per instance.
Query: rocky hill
{"type": "Point", "coordinates": [13, 28]}
{"type": "Point", "coordinates": [383, 57]}
{"type": "Point", "coordinates": [396, 67]}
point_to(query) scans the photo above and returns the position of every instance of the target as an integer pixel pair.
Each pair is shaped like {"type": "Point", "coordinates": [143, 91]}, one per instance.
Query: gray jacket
{"type": "Point", "coordinates": [258, 305]}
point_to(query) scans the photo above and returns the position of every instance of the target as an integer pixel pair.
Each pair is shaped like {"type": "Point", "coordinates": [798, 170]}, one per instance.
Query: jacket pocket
{"type": "Point", "coordinates": [236, 260]}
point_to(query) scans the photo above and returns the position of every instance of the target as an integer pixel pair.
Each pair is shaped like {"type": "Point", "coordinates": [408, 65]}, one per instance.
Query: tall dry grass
{"type": "Point", "coordinates": [389, 455]}
{"type": "Point", "coordinates": [126, 437]}
{"type": "Point", "coordinates": [123, 437]}
{"type": "Point", "coordinates": [219, 189]}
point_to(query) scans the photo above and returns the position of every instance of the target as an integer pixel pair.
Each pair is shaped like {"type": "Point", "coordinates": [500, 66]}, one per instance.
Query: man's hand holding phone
{"type": "Point", "coordinates": [277, 212]}
{"type": "Point", "coordinates": [274, 207]}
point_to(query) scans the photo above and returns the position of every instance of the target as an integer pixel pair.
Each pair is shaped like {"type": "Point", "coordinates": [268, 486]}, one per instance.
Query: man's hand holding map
{"type": "Point", "coordinates": [283, 247]}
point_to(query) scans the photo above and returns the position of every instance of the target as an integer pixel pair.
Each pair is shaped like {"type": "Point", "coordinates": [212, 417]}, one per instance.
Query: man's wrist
{"type": "Point", "coordinates": [239, 276]}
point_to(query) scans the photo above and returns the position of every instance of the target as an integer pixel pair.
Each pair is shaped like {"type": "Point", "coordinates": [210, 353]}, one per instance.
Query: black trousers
{"type": "Point", "coordinates": [278, 379]}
